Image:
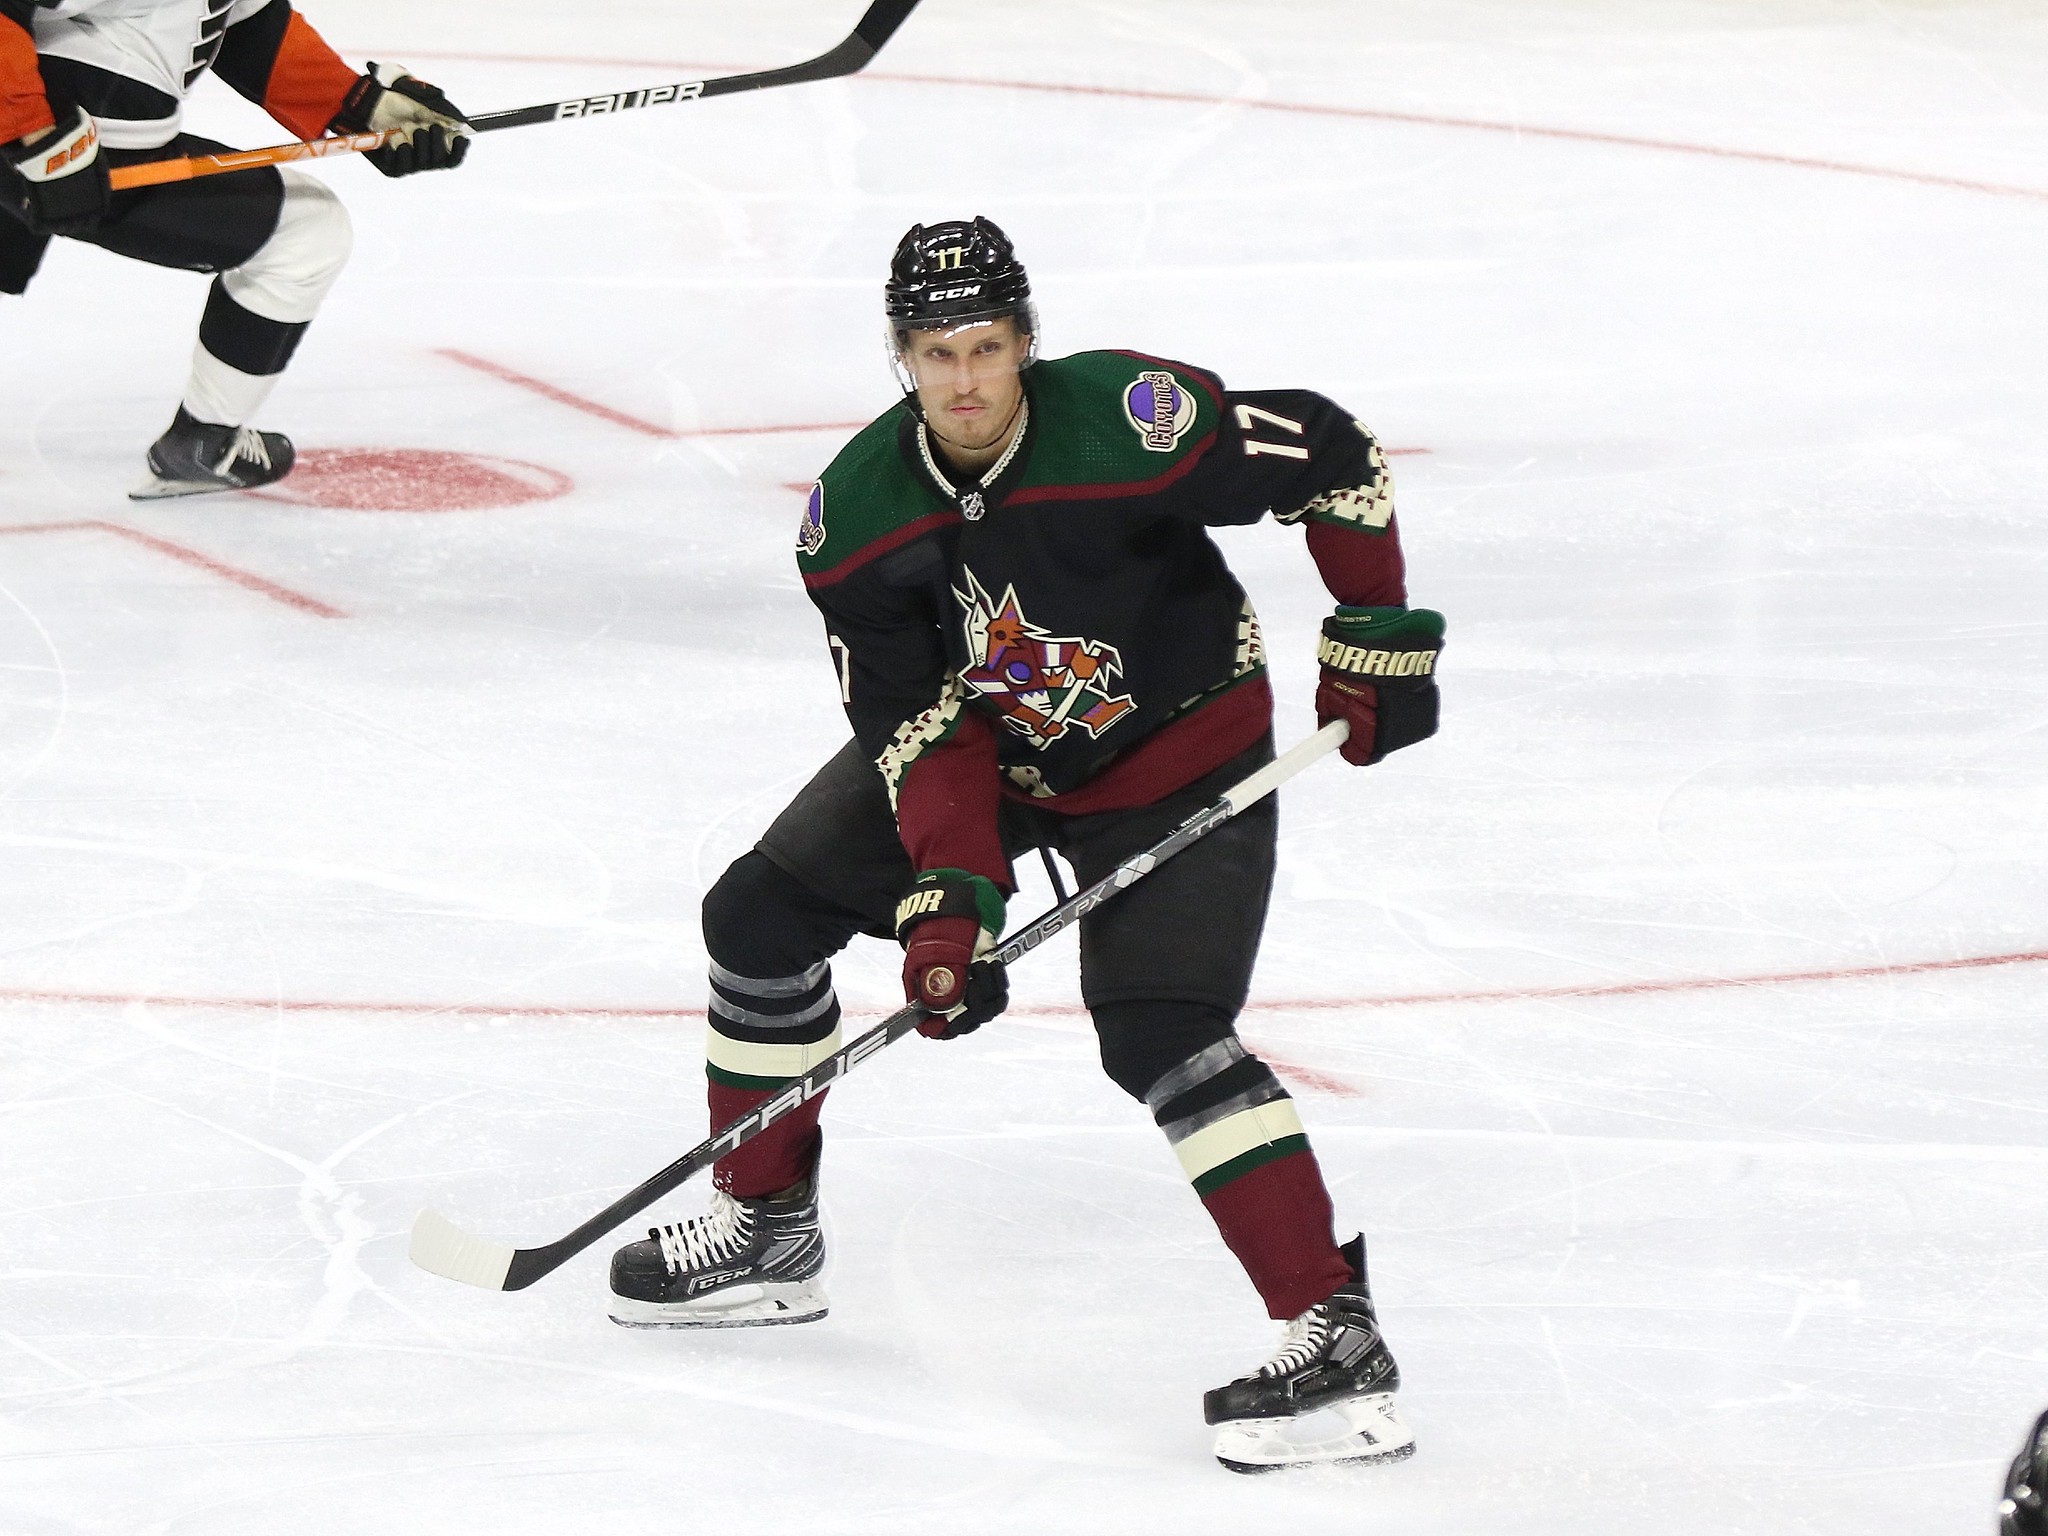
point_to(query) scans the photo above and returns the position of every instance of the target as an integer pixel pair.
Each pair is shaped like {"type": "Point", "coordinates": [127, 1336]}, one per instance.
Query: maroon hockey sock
{"type": "Point", "coordinates": [1277, 1220]}
{"type": "Point", "coordinates": [780, 1156]}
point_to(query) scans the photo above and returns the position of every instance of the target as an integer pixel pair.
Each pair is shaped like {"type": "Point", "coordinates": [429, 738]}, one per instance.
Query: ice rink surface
{"type": "Point", "coordinates": [352, 856]}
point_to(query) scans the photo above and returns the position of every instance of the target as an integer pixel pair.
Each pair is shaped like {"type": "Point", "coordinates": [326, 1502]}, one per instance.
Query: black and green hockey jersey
{"type": "Point", "coordinates": [1064, 629]}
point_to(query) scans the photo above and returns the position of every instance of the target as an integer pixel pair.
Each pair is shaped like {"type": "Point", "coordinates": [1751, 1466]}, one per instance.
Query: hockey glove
{"type": "Point", "coordinates": [947, 922]}
{"type": "Point", "coordinates": [437, 134]}
{"type": "Point", "coordinates": [1379, 673]}
{"type": "Point", "coordinates": [58, 182]}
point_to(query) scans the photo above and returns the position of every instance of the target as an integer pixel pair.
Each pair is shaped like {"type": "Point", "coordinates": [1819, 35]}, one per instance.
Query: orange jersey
{"type": "Point", "coordinates": [130, 63]}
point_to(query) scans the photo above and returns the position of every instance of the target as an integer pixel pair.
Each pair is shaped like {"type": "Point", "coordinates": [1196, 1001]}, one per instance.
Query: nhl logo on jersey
{"type": "Point", "coordinates": [810, 535]}
{"type": "Point", "coordinates": [1160, 409]}
{"type": "Point", "coordinates": [1043, 685]}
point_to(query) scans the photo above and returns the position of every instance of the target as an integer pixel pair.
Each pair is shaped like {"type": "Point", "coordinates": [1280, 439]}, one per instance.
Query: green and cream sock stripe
{"type": "Point", "coordinates": [1225, 1138]}
{"type": "Point", "coordinates": [766, 1031]}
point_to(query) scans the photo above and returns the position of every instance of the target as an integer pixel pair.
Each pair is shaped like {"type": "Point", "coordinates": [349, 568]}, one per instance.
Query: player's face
{"type": "Point", "coordinates": [969, 378]}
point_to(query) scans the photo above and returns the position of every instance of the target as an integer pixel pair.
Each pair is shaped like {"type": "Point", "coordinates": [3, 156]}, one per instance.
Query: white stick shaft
{"type": "Point", "coordinates": [1286, 766]}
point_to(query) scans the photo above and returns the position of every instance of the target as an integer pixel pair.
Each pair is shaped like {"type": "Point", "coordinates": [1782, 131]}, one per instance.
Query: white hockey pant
{"type": "Point", "coordinates": [257, 312]}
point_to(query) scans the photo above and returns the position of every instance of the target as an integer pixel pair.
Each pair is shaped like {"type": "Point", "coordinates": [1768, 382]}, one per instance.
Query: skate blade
{"type": "Point", "coordinates": [154, 489]}
{"type": "Point", "coordinates": [1365, 1429]}
{"type": "Point", "coordinates": [764, 1306]}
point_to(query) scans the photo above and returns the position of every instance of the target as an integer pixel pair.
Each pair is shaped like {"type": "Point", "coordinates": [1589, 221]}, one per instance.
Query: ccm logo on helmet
{"type": "Point", "coordinates": [956, 293]}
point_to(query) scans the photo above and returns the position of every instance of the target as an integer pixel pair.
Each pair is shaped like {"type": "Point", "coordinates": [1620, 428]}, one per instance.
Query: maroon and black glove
{"type": "Point", "coordinates": [437, 135]}
{"type": "Point", "coordinates": [1379, 673]}
{"type": "Point", "coordinates": [58, 184]}
{"type": "Point", "coordinates": [946, 924]}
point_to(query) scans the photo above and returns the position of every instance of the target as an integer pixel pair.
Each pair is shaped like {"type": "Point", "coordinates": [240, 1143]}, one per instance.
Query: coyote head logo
{"type": "Point", "coordinates": [1043, 685]}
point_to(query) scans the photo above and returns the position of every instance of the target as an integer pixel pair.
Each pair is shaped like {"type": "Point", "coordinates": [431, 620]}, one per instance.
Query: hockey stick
{"type": "Point", "coordinates": [850, 57]}
{"type": "Point", "coordinates": [442, 1248]}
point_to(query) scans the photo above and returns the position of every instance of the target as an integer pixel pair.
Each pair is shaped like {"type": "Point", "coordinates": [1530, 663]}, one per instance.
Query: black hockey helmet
{"type": "Point", "coordinates": [955, 273]}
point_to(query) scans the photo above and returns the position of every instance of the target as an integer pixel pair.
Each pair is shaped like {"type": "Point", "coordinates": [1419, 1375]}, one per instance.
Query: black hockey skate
{"type": "Point", "coordinates": [1327, 1396]}
{"type": "Point", "coordinates": [742, 1264]}
{"type": "Point", "coordinates": [197, 458]}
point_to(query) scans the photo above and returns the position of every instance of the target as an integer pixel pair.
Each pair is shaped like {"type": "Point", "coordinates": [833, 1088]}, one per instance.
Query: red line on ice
{"type": "Point", "coordinates": [186, 555]}
{"type": "Point", "coordinates": [577, 402]}
{"type": "Point", "coordinates": [805, 426]}
{"type": "Point", "coordinates": [554, 392]}
{"type": "Point", "coordinates": [1317, 109]}
{"type": "Point", "coordinates": [1308, 1077]}
{"type": "Point", "coordinates": [343, 1005]}
{"type": "Point", "coordinates": [1675, 984]}
{"type": "Point", "coordinates": [617, 417]}
{"type": "Point", "coordinates": [1278, 1005]}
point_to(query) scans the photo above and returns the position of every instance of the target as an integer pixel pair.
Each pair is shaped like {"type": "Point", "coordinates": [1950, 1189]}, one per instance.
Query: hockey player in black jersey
{"type": "Point", "coordinates": [90, 85]}
{"type": "Point", "coordinates": [1038, 644]}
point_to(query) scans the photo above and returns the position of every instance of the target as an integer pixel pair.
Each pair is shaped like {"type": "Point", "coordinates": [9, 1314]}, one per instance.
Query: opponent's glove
{"type": "Point", "coordinates": [58, 180]}
{"type": "Point", "coordinates": [437, 134]}
{"type": "Point", "coordinates": [946, 924]}
{"type": "Point", "coordinates": [1379, 673]}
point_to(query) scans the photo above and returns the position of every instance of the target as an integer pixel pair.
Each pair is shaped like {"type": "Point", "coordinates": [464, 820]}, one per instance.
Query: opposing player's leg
{"type": "Point", "coordinates": [1165, 970]}
{"type": "Point", "coordinates": [831, 866]}
{"type": "Point", "coordinates": [276, 240]}
{"type": "Point", "coordinates": [255, 316]}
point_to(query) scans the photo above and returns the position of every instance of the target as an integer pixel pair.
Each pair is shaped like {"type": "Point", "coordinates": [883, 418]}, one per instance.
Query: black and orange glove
{"type": "Point", "coordinates": [57, 180]}
{"type": "Point", "coordinates": [947, 925]}
{"type": "Point", "coordinates": [1379, 673]}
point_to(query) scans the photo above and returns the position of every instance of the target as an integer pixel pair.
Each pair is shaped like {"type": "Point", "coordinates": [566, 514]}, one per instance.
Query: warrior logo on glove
{"type": "Point", "coordinates": [1364, 661]}
{"type": "Point", "coordinates": [1379, 673]}
{"type": "Point", "coordinates": [948, 925]}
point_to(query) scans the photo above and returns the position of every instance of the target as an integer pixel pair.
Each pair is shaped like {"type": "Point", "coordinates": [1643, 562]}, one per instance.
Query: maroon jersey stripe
{"type": "Point", "coordinates": [1150, 487]}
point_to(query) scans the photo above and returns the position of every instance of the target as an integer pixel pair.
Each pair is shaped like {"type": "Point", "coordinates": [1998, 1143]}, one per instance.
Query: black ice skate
{"type": "Point", "coordinates": [742, 1264]}
{"type": "Point", "coordinates": [1327, 1396]}
{"type": "Point", "coordinates": [196, 458]}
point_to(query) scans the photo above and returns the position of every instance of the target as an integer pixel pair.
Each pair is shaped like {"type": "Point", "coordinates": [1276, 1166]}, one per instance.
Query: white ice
{"type": "Point", "coordinates": [1733, 494]}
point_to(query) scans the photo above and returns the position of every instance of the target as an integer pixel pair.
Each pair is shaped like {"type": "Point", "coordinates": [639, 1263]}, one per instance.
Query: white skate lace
{"type": "Point", "coordinates": [1302, 1342]}
{"type": "Point", "coordinates": [705, 1240]}
{"type": "Point", "coordinates": [248, 444]}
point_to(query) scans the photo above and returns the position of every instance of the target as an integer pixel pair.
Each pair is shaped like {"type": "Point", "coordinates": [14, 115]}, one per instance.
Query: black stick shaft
{"type": "Point", "coordinates": [851, 56]}
{"type": "Point", "coordinates": [530, 1264]}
